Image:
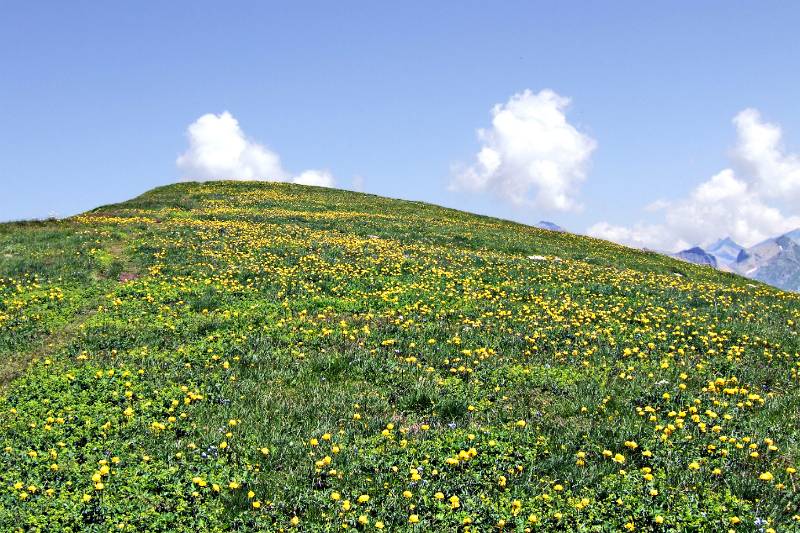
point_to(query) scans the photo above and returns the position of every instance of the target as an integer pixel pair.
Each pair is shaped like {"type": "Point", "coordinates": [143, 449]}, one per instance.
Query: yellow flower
{"type": "Point", "coordinates": [413, 518]}
{"type": "Point", "coordinates": [766, 476]}
{"type": "Point", "coordinates": [294, 521]}
{"type": "Point", "coordinates": [364, 498]}
{"type": "Point", "coordinates": [516, 507]}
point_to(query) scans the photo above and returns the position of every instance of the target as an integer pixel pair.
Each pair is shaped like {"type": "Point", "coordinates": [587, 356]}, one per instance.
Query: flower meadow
{"type": "Point", "coordinates": [265, 356]}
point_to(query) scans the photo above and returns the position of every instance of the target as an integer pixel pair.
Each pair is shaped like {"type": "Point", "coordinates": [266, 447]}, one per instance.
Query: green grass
{"type": "Point", "coordinates": [251, 356]}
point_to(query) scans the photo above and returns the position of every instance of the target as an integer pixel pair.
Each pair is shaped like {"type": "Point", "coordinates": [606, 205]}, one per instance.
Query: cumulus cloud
{"type": "Point", "coordinates": [743, 202]}
{"type": "Point", "coordinates": [760, 154]}
{"type": "Point", "coordinates": [219, 149]}
{"type": "Point", "coordinates": [531, 155]}
{"type": "Point", "coordinates": [321, 178]}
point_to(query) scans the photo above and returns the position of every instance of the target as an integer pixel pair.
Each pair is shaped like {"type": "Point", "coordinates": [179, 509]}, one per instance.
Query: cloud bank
{"type": "Point", "coordinates": [531, 155]}
{"type": "Point", "coordinates": [743, 202]}
{"type": "Point", "coordinates": [219, 149]}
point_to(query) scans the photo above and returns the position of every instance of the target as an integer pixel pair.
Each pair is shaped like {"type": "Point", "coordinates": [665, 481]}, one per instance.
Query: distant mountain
{"type": "Point", "coordinates": [774, 261]}
{"type": "Point", "coordinates": [544, 224]}
{"type": "Point", "coordinates": [751, 259]}
{"type": "Point", "coordinates": [698, 256]}
{"type": "Point", "coordinates": [794, 235]}
{"type": "Point", "coordinates": [726, 251]}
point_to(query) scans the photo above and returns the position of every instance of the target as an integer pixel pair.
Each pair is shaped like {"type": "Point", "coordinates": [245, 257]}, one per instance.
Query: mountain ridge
{"type": "Point", "coordinates": [775, 261]}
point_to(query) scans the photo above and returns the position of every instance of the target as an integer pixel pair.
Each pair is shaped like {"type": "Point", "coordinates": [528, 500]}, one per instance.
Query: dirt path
{"type": "Point", "coordinates": [50, 344]}
{"type": "Point", "coordinates": [55, 341]}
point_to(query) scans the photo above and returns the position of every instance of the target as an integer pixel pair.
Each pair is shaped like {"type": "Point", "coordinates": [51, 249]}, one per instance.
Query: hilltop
{"type": "Point", "coordinates": [269, 356]}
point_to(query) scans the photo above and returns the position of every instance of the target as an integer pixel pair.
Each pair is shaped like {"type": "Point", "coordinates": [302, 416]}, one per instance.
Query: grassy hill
{"type": "Point", "coordinates": [233, 355]}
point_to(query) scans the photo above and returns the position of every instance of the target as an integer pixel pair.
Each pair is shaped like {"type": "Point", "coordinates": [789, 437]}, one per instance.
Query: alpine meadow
{"type": "Point", "coordinates": [247, 356]}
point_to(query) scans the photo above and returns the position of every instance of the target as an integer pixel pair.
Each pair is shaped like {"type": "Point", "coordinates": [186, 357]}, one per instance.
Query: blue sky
{"type": "Point", "coordinates": [97, 98]}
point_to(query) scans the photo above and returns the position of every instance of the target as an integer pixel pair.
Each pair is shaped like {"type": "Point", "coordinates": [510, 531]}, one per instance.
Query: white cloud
{"type": "Point", "coordinates": [760, 153]}
{"type": "Point", "coordinates": [727, 204]}
{"type": "Point", "coordinates": [321, 178]}
{"type": "Point", "coordinates": [358, 183]}
{"type": "Point", "coordinates": [640, 235]}
{"type": "Point", "coordinates": [219, 149]}
{"type": "Point", "coordinates": [531, 155]}
{"type": "Point", "coordinates": [658, 205]}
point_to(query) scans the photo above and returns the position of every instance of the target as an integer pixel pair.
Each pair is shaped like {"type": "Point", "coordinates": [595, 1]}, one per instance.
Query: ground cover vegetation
{"type": "Point", "coordinates": [252, 356]}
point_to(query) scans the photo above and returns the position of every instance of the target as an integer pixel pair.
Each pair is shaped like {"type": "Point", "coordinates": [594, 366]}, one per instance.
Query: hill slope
{"type": "Point", "coordinates": [267, 356]}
